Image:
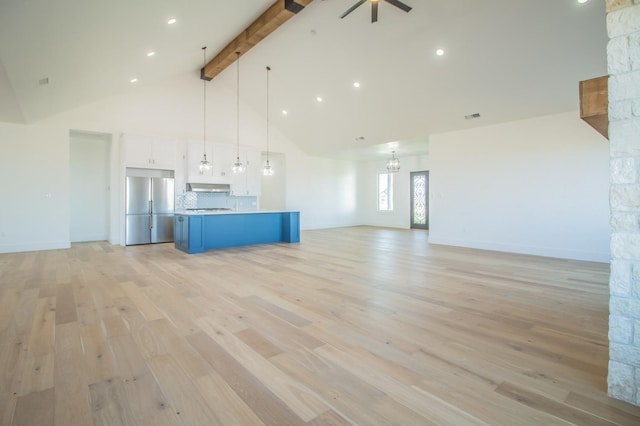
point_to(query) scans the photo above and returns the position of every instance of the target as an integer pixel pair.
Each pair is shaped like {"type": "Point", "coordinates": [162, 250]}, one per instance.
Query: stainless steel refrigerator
{"type": "Point", "coordinates": [149, 210]}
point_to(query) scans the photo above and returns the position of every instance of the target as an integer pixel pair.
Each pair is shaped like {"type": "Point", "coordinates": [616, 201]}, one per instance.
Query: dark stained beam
{"type": "Point", "coordinates": [279, 13]}
{"type": "Point", "coordinates": [594, 103]}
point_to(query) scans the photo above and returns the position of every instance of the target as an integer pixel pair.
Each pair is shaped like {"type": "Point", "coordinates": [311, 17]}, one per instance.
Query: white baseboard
{"type": "Point", "coordinates": [39, 246]}
{"type": "Point", "coordinates": [559, 253]}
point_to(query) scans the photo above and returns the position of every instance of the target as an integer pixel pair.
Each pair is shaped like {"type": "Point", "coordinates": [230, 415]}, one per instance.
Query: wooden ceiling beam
{"type": "Point", "coordinates": [277, 14]}
{"type": "Point", "coordinates": [594, 103]}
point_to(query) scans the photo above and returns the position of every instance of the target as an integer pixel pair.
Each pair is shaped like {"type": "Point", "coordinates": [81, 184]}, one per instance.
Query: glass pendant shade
{"type": "Point", "coordinates": [205, 165]}
{"type": "Point", "coordinates": [237, 166]}
{"type": "Point", "coordinates": [267, 170]}
{"type": "Point", "coordinates": [393, 164]}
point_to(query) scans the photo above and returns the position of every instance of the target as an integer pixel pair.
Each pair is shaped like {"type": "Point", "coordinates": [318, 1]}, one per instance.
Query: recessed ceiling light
{"type": "Point", "coordinates": [285, 112]}
{"type": "Point", "coordinates": [356, 84]}
{"type": "Point", "coordinates": [171, 21]}
{"type": "Point", "coordinates": [151, 53]}
{"type": "Point", "coordinates": [582, 1]}
{"type": "Point", "coordinates": [134, 80]}
{"type": "Point", "coordinates": [319, 99]}
{"type": "Point", "coordinates": [440, 51]}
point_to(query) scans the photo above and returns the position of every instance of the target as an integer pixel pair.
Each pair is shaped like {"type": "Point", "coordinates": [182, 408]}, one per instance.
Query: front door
{"type": "Point", "coordinates": [420, 200]}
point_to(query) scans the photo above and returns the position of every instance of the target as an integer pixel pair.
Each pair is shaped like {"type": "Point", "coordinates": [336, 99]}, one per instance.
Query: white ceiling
{"type": "Point", "coordinates": [505, 59]}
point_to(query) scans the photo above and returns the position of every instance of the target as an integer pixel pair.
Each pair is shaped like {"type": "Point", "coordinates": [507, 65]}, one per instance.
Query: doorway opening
{"type": "Point", "coordinates": [89, 176]}
{"type": "Point", "coordinates": [419, 200]}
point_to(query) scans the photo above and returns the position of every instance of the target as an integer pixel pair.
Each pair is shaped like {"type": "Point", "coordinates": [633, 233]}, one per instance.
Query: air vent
{"type": "Point", "coordinates": [472, 116]}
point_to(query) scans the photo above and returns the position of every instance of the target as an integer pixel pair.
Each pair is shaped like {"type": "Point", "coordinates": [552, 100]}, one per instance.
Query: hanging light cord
{"type": "Point", "coordinates": [204, 118]}
{"type": "Point", "coordinates": [238, 107]}
{"type": "Point", "coordinates": [268, 69]}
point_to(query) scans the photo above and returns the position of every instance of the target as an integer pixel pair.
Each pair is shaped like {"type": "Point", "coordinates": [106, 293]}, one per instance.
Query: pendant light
{"type": "Point", "coordinates": [267, 170]}
{"type": "Point", "coordinates": [237, 166]}
{"type": "Point", "coordinates": [204, 164]}
{"type": "Point", "coordinates": [393, 164]}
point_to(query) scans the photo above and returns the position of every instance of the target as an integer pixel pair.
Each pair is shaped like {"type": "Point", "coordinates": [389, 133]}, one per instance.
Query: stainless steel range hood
{"type": "Point", "coordinates": [209, 187]}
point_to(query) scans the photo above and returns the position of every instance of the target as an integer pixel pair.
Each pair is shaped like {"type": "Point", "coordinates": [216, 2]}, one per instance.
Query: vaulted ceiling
{"type": "Point", "coordinates": [504, 59]}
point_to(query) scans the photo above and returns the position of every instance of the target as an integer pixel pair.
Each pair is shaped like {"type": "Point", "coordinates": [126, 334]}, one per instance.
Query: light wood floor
{"type": "Point", "coordinates": [357, 325]}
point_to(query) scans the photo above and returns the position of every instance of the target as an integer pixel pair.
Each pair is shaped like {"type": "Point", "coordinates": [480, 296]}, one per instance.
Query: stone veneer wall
{"type": "Point", "coordinates": [623, 57]}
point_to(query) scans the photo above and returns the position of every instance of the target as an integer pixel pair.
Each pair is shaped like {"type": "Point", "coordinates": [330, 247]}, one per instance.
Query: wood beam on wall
{"type": "Point", "coordinates": [277, 14]}
{"type": "Point", "coordinates": [594, 103]}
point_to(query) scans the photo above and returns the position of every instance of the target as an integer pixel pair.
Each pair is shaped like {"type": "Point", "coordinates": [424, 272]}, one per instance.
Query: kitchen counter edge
{"type": "Point", "coordinates": [219, 212]}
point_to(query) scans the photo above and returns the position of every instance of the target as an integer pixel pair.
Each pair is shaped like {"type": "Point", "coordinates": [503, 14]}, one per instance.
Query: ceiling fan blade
{"type": "Point", "coordinates": [352, 8]}
{"type": "Point", "coordinates": [399, 4]}
{"type": "Point", "coordinates": [374, 12]}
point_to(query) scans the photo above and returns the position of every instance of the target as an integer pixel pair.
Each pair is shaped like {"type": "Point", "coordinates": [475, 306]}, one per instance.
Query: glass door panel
{"type": "Point", "coordinates": [420, 200]}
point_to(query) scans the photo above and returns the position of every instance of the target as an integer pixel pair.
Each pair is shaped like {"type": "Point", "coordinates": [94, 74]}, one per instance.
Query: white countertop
{"type": "Point", "coordinates": [203, 212]}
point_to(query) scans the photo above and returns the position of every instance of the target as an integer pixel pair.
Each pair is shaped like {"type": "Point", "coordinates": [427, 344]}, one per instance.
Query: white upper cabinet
{"type": "Point", "coordinates": [218, 154]}
{"type": "Point", "coordinates": [150, 152]}
{"type": "Point", "coordinates": [247, 183]}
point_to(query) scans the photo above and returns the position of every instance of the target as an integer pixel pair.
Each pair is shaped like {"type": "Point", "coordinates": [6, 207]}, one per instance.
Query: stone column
{"type": "Point", "coordinates": [623, 57]}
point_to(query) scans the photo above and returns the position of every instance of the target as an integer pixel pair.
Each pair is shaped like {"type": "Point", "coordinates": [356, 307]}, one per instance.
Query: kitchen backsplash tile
{"type": "Point", "coordinates": [205, 200]}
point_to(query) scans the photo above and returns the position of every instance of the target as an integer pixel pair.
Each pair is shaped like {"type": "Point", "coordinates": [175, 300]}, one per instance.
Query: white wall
{"type": "Point", "coordinates": [34, 186]}
{"type": "Point", "coordinates": [537, 186]}
{"type": "Point", "coordinates": [368, 172]}
{"type": "Point", "coordinates": [323, 190]}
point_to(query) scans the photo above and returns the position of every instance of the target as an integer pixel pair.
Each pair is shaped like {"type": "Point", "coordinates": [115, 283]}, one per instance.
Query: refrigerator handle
{"type": "Point", "coordinates": [150, 214]}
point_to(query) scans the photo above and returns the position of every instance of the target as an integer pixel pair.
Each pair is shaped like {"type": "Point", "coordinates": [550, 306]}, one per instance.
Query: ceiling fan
{"type": "Point", "coordinates": [374, 8]}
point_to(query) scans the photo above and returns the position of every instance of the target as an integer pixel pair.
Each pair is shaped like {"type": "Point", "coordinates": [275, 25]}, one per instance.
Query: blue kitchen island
{"type": "Point", "coordinates": [198, 231]}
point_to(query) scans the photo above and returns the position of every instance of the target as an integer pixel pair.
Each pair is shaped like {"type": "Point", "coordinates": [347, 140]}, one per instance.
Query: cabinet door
{"type": "Point", "coordinates": [181, 168]}
{"type": "Point", "coordinates": [218, 154]}
{"type": "Point", "coordinates": [239, 180]}
{"type": "Point", "coordinates": [195, 152]}
{"type": "Point", "coordinates": [137, 151]}
{"type": "Point", "coordinates": [149, 152]}
{"type": "Point", "coordinates": [247, 183]}
{"type": "Point", "coordinates": [222, 161]}
{"type": "Point", "coordinates": [181, 232]}
{"type": "Point", "coordinates": [164, 154]}
{"type": "Point", "coordinates": [254, 172]}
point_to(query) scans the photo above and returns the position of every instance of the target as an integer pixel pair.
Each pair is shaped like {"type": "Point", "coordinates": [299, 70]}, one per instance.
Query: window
{"type": "Point", "coordinates": [385, 192]}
